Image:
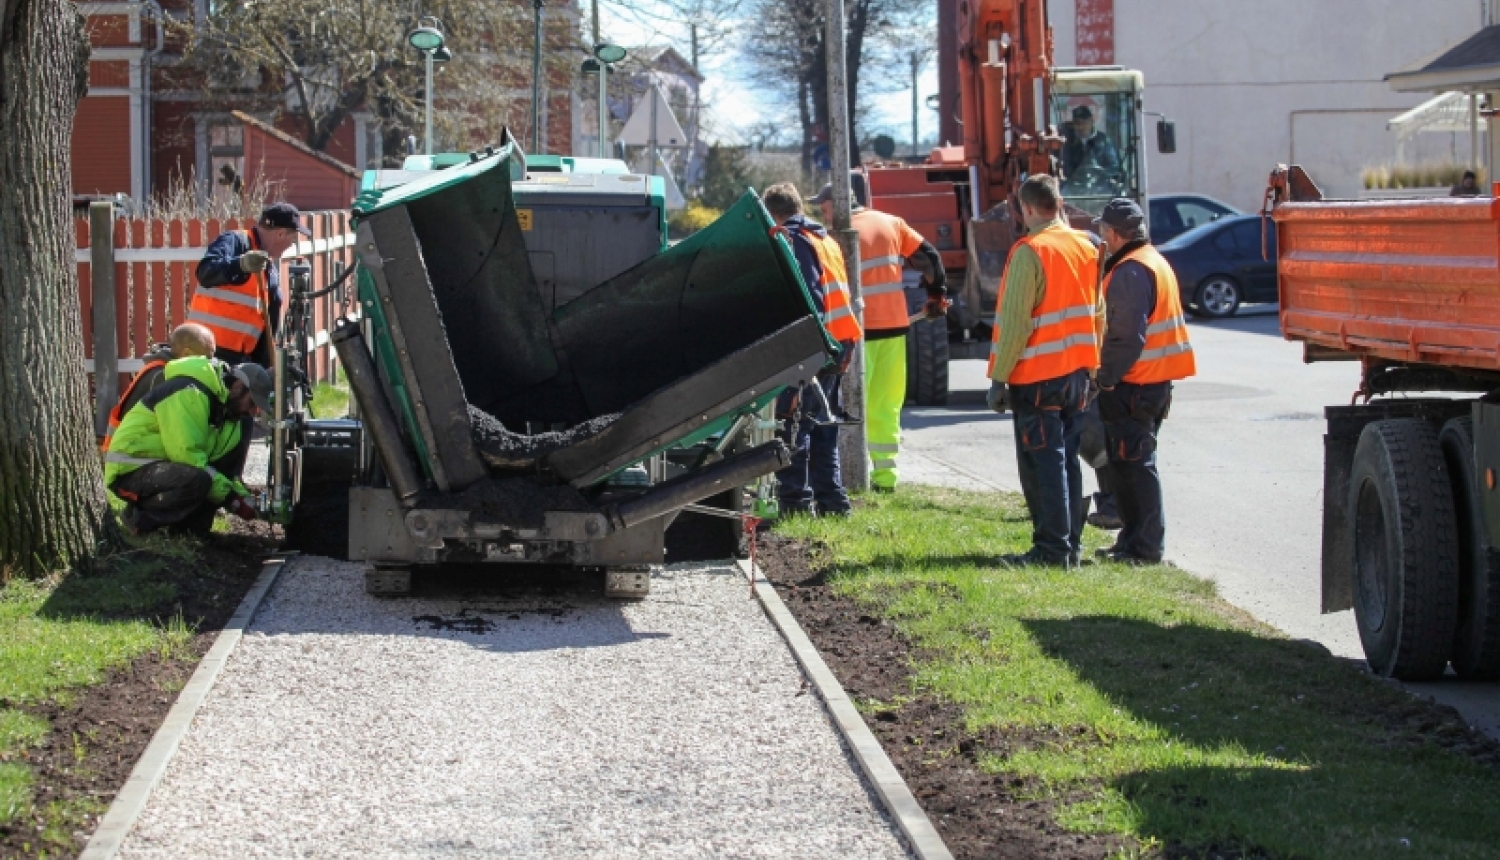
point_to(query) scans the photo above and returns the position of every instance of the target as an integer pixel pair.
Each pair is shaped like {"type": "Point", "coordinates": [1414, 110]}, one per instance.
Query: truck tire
{"type": "Point", "coordinates": [1476, 642]}
{"type": "Point", "coordinates": [927, 363]}
{"type": "Point", "coordinates": [1405, 549]}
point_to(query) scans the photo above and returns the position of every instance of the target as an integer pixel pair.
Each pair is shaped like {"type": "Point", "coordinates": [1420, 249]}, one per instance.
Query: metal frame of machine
{"type": "Point", "coordinates": [431, 347]}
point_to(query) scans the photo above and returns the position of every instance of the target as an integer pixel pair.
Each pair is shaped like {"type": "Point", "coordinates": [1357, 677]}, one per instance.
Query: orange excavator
{"type": "Point", "coordinates": [1018, 115]}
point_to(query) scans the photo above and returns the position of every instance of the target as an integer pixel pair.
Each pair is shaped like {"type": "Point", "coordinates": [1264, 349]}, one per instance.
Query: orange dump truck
{"type": "Point", "coordinates": [1411, 501]}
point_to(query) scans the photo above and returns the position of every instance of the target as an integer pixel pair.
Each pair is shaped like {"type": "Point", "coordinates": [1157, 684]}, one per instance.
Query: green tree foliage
{"type": "Point", "coordinates": [725, 176]}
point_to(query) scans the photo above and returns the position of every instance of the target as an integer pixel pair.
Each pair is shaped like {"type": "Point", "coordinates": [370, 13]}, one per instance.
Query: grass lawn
{"type": "Point", "coordinates": [330, 399]}
{"type": "Point", "coordinates": [60, 635]}
{"type": "Point", "coordinates": [1150, 707]}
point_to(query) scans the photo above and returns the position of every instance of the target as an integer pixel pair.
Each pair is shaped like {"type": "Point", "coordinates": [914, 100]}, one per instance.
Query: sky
{"type": "Point", "coordinates": [735, 103]}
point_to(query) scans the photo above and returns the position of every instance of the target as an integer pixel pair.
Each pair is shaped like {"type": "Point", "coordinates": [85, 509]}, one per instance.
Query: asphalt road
{"type": "Point", "coordinates": [1242, 464]}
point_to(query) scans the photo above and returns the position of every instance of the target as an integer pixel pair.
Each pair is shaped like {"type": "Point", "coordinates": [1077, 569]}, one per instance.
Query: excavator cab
{"type": "Point", "coordinates": [1098, 112]}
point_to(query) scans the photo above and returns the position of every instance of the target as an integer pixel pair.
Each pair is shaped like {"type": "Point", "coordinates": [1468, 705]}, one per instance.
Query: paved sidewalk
{"type": "Point", "coordinates": [528, 725]}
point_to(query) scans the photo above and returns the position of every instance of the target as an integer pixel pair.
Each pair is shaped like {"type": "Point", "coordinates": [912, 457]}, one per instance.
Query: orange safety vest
{"type": "Point", "coordinates": [117, 414]}
{"type": "Point", "coordinates": [1167, 354]}
{"type": "Point", "coordinates": [1062, 338]}
{"type": "Point", "coordinates": [838, 310]}
{"type": "Point", "coordinates": [235, 313]}
{"type": "Point", "coordinates": [881, 240]}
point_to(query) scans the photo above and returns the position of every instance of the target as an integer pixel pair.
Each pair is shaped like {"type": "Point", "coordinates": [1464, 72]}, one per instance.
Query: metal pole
{"type": "Point", "coordinates": [102, 286]}
{"type": "Point", "coordinates": [1474, 132]}
{"type": "Point", "coordinates": [429, 102]}
{"type": "Point", "coordinates": [914, 69]}
{"type": "Point", "coordinates": [536, 77]}
{"type": "Point", "coordinates": [603, 109]}
{"type": "Point", "coordinates": [853, 452]}
{"type": "Point", "coordinates": [651, 94]}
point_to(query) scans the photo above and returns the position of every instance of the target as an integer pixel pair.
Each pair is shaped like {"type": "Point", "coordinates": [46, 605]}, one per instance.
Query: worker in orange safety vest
{"type": "Point", "coordinates": [1145, 350]}
{"type": "Point", "coordinates": [1046, 347]}
{"type": "Point", "coordinates": [239, 285]}
{"type": "Point", "coordinates": [813, 483]}
{"type": "Point", "coordinates": [886, 244]}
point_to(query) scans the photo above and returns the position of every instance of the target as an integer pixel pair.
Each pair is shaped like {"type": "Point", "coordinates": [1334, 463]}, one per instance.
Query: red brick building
{"type": "Point", "coordinates": [137, 132]}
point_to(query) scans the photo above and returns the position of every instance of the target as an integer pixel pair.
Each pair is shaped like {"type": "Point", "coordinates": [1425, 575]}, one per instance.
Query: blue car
{"type": "Point", "coordinates": [1220, 265]}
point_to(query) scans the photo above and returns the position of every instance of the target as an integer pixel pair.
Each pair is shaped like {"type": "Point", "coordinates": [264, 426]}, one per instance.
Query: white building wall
{"type": "Point", "coordinates": [1251, 83]}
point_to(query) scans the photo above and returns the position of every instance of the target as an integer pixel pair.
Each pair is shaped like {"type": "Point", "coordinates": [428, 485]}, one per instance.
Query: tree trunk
{"type": "Point", "coordinates": [52, 505]}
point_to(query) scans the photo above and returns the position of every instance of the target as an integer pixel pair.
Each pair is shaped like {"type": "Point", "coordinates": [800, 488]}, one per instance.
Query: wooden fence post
{"type": "Point", "coordinates": [102, 280]}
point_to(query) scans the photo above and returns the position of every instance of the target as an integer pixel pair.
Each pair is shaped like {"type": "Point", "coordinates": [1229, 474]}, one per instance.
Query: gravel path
{"type": "Point", "coordinates": [519, 725]}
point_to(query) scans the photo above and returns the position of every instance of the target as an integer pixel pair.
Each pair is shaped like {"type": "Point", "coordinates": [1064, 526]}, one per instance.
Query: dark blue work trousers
{"type": "Point", "coordinates": [814, 477]}
{"type": "Point", "coordinates": [1132, 418]}
{"type": "Point", "coordinates": [1048, 421]}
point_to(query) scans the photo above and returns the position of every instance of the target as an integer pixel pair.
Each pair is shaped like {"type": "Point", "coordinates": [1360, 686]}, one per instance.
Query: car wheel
{"type": "Point", "coordinates": [1218, 297]}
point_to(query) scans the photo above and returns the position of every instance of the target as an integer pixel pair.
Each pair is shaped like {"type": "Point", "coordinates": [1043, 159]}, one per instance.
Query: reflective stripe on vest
{"type": "Point", "coordinates": [128, 460]}
{"type": "Point", "coordinates": [880, 270]}
{"type": "Point", "coordinates": [1167, 355]}
{"type": "Point", "coordinates": [1063, 338]}
{"type": "Point", "coordinates": [235, 313]}
{"type": "Point", "coordinates": [838, 309]}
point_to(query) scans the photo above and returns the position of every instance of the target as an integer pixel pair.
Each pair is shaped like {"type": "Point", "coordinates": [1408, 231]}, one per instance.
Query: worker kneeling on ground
{"type": "Point", "coordinates": [1046, 348]}
{"type": "Point", "coordinates": [886, 243]}
{"type": "Point", "coordinates": [1145, 349]}
{"type": "Point", "coordinates": [188, 339]}
{"type": "Point", "coordinates": [813, 483]}
{"type": "Point", "coordinates": [178, 454]}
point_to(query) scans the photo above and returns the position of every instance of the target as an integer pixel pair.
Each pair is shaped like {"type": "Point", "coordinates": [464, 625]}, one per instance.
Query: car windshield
{"type": "Point", "coordinates": [1099, 155]}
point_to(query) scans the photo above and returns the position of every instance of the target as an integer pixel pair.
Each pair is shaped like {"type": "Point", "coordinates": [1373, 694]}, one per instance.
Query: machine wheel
{"type": "Point", "coordinates": [632, 582]}
{"type": "Point", "coordinates": [1476, 643]}
{"type": "Point", "coordinates": [927, 363]}
{"type": "Point", "coordinates": [1405, 563]}
{"type": "Point", "coordinates": [387, 580]}
{"type": "Point", "coordinates": [320, 521]}
{"type": "Point", "coordinates": [1218, 297]}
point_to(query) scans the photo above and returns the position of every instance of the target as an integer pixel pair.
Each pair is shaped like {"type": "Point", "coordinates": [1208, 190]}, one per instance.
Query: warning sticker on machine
{"type": "Point", "coordinates": [524, 216]}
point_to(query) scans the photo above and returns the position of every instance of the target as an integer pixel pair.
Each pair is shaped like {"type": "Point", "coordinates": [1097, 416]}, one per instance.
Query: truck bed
{"type": "Point", "coordinates": [1402, 280]}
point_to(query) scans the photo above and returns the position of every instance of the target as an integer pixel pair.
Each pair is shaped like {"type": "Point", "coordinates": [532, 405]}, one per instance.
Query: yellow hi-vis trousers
{"type": "Point", "coordinates": [885, 391]}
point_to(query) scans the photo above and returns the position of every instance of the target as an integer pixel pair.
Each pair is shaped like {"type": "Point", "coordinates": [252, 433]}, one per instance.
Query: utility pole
{"type": "Point", "coordinates": [536, 78]}
{"type": "Point", "coordinates": [853, 452]}
{"type": "Point", "coordinates": [916, 66]}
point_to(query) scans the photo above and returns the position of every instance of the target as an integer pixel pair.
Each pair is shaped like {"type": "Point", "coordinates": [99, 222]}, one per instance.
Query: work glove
{"type": "Point", "coordinates": [998, 397]}
{"type": "Point", "coordinates": [254, 261]}
{"type": "Point", "coordinates": [241, 508]}
{"type": "Point", "coordinates": [937, 305]}
{"type": "Point", "coordinates": [846, 355]}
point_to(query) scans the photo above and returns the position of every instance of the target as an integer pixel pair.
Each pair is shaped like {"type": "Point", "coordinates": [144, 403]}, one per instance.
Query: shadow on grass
{"type": "Point", "coordinates": [1274, 743]}
{"type": "Point", "coordinates": [142, 581]}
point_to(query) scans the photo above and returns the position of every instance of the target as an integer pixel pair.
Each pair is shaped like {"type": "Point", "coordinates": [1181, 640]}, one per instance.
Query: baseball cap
{"type": "Point", "coordinates": [1121, 214]}
{"type": "Point", "coordinates": [856, 181]}
{"type": "Point", "coordinates": [257, 380]}
{"type": "Point", "coordinates": [283, 215]}
{"type": "Point", "coordinates": [1083, 112]}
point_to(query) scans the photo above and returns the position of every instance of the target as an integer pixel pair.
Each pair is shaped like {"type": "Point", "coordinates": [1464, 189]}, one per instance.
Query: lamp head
{"type": "Point", "coordinates": [425, 39]}
{"type": "Point", "coordinates": [609, 53]}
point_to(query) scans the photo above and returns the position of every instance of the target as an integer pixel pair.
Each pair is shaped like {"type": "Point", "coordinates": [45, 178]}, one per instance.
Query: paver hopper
{"type": "Point", "coordinates": [526, 347]}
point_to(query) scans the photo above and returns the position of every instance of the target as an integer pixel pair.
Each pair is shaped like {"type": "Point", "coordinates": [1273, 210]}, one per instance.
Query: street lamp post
{"type": "Point", "coordinates": [606, 55]}
{"type": "Point", "coordinates": [428, 38]}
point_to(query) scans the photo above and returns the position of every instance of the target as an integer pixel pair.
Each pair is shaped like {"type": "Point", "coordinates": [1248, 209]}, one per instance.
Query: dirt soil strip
{"type": "Point", "coordinates": [980, 816]}
{"type": "Point", "coordinates": [148, 771]}
{"type": "Point", "coordinates": [922, 837]}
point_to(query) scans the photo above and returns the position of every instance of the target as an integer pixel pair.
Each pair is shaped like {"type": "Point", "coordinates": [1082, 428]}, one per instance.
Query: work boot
{"type": "Point", "coordinates": [1036, 558]}
{"type": "Point", "coordinates": [1125, 557]}
{"type": "Point", "coordinates": [1104, 515]}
